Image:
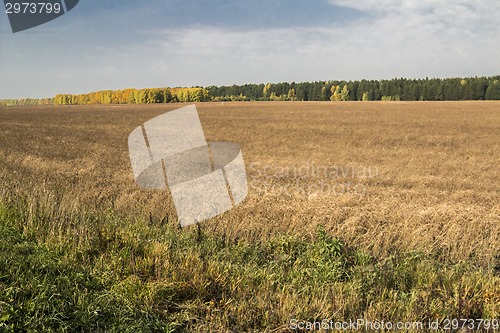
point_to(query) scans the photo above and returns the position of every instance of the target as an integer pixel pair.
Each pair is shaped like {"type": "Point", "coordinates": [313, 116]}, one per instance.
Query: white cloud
{"type": "Point", "coordinates": [395, 38]}
{"type": "Point", "coordinates": [477, 16]}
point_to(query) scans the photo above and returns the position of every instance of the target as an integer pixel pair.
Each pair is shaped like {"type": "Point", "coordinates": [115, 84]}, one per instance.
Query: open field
{"type": "Point", "coordinates": [388, 211]}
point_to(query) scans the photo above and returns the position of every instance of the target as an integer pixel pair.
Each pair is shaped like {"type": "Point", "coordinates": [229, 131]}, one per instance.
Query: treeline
{"type": "Point", "coordinates": [453, 89]}
{"type": "Point", "coordinates": [26, 101]}
{"type": "Point", "coordinates": [135, 96]}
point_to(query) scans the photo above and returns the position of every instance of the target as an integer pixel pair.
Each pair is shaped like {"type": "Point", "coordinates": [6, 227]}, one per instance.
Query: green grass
{"type": "Point", "coordinates": [66, 271]}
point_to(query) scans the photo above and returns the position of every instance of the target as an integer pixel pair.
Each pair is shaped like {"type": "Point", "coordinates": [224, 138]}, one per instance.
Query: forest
{"type": "Point", "coordinates": [454, 89]}
{"type": "Point", "coordinates": [398, 89]}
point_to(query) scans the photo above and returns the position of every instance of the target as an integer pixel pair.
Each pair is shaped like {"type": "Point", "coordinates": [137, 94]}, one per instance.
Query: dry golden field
{"type": "Point", "coordinates": [376, 210]}
{"type": "Point", "coordinates": [418, 176]}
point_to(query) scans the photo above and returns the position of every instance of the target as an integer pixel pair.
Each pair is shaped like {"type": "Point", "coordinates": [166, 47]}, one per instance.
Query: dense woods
{"type": "Point", "coordinates": [453, 89]}
{"type": "Point", "coordinates": [478, 88]}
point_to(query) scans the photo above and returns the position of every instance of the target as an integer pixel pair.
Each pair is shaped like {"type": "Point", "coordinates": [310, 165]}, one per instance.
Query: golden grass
{"type": "Point", "coordinates": [436, 189]}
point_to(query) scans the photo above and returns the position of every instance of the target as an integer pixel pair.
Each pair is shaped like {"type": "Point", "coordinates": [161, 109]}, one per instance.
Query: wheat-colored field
{"type": "Point", "coordinates": [373, 210]}
{"type": "Point", "coordinates": [383, 176]}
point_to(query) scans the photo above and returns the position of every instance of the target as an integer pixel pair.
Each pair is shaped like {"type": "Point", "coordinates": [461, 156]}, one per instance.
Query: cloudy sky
{"type": "Point", "coordinates": [115, 44]}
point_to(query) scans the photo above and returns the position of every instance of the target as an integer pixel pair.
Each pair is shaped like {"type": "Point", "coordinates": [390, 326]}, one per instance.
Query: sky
{"type": "Point", "coordinates": [117, 44]}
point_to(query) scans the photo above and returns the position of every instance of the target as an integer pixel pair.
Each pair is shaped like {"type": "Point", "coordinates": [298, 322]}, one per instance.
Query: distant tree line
{"type": "Point", "coordinates": [452, 89]}
{"type": "Point", "coordinates": [26, 101]}
{"type": "Point", "coordinates": [135, 96]}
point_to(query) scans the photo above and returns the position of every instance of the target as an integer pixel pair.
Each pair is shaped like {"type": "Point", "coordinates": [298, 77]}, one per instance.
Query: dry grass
{"type": "Point", "coordinates": [434, 185]}
{"type": "Point", "coordinates": [421, 241]}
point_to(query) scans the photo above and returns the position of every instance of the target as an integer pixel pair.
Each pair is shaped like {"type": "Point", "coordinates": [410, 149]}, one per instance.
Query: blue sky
{"type": "Point", "coordinates": [115, 44]}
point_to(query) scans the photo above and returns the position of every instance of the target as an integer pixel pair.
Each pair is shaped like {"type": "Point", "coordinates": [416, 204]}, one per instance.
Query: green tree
{"type": "Point", "coordinates": [493, 90]}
